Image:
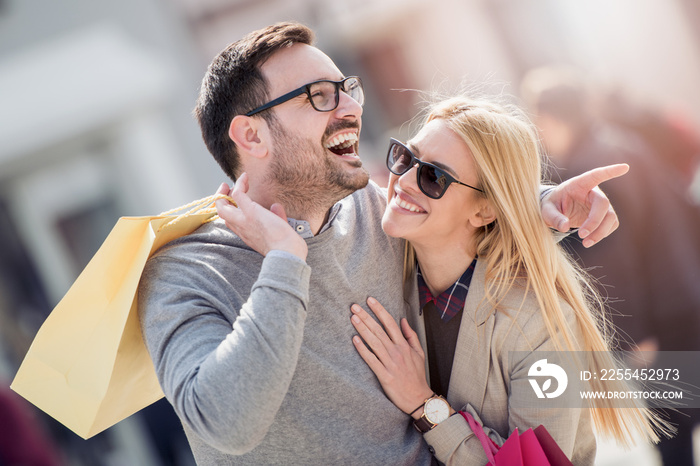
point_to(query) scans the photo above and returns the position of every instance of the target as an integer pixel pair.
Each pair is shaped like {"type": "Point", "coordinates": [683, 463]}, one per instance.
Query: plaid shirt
{"type": "Point", "coordinates": [450, 301]}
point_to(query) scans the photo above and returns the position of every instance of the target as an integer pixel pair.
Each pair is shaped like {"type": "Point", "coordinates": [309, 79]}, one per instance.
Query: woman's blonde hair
{"type": "Point", "coordinates": [518, 245]}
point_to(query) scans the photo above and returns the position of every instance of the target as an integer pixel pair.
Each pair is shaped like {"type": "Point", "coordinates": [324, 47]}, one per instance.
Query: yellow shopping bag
{"type": "Point", "coordinates": [88, 366]}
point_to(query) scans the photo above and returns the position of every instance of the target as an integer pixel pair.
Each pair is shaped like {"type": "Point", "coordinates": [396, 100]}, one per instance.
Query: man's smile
{"type": "Point", "coordinates": [343, 144]}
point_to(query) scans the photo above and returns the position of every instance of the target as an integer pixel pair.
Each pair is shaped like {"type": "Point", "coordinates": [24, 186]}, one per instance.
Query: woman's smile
{"type": "Point", "coordinates": [403, 203]}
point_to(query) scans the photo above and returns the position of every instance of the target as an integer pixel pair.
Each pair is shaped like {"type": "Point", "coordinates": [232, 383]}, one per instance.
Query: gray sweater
{"type": "Point", "coordinates": [256, 355]}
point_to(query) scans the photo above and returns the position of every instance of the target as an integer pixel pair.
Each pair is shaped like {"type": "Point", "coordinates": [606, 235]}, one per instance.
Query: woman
{"type": "Point", "coordinates": [465, 194]}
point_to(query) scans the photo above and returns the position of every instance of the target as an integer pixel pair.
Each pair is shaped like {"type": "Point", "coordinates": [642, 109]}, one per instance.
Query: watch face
{"type": "Point", "coordinates": [437, 410]}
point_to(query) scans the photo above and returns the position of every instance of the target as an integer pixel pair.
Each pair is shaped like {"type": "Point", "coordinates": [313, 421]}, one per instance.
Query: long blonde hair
{"type": "Point", "coordinates": [519, 246]}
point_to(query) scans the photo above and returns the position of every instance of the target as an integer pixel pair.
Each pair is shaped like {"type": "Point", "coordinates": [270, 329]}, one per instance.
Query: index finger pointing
{"type": "Point", "coordinates": [596, 176]}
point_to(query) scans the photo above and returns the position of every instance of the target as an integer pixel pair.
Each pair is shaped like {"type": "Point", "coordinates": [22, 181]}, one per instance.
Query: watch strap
{"type": "Point", "coordinates": [423, 425]}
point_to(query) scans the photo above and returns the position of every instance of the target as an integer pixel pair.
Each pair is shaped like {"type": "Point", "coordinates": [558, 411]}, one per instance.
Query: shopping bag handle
{"type": "Point", "coordinates": [489, 448]}
{"type": "Point", "coordinates": [200, 206]}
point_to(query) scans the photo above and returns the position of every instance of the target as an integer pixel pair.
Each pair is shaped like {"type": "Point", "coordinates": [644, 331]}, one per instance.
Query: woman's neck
{"type": "Point", "coordinates": [442, 266]}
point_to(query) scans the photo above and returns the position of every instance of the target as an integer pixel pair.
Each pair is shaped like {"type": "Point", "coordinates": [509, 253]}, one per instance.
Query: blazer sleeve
{"type": "Point", "coordinates": [453, 442]}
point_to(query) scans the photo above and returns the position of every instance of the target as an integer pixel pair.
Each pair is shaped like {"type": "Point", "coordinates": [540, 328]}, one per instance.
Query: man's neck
{"type": "Point", "coordinates": [316, 215]}
{"type": "Point", "coordinates": [316, 221]}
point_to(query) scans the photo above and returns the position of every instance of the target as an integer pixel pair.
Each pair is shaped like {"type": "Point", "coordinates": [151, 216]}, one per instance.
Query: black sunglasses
{"type": "Point", "coordinates": [324, 95]}
{"type": "Point", "coordinates": [432, 181]}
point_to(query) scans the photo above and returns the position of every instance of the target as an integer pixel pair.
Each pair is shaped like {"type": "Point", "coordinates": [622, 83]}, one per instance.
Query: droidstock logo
{"type": "Point", "coordinates": [541, 369]}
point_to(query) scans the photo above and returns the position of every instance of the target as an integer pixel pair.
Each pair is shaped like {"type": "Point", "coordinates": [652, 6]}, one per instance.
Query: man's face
{"type": "Point", "coordinates": [314, 161]}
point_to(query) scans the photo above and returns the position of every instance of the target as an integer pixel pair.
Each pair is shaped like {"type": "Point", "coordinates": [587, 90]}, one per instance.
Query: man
{"type": "Point", "coordinates": [253, 349]}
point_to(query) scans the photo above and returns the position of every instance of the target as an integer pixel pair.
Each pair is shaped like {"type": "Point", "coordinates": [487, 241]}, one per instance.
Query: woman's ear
{"type": "Point", "coordinates": [248, 134]}
{"type": "Point", "coordinates": [483, 216]}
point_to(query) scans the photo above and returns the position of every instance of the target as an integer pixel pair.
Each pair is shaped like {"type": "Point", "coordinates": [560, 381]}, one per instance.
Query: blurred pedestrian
{"type": "Point", "coordinates": [22, 437]}
{"type": "Point", "coordinates": [650, 267]}
{"type": "Point", "coordinates": [668, 133]}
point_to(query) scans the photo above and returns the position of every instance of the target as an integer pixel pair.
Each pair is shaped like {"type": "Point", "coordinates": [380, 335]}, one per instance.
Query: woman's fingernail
{"type": "Point", "coordinates": [371, 300]}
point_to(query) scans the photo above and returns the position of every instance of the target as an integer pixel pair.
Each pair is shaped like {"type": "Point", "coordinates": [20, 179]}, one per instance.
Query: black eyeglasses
{"type": "Point", "coordinates": [324, 95]}
{"type": "Point", "coordinates": [432, 181]}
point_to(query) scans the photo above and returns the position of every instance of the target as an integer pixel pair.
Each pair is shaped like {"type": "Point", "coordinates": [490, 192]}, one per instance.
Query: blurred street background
{"type": "Point", "coordinates": [95, 123]}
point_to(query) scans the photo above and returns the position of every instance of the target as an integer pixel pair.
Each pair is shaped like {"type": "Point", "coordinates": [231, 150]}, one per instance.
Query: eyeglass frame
{"type": "Point", "coordinates": [306, 88]}
{"type": "Point", "coordinates": [415, 160]}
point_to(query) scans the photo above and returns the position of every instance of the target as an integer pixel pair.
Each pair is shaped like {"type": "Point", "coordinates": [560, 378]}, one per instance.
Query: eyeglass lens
{"type": "Point", "coordinates": [324, 95]}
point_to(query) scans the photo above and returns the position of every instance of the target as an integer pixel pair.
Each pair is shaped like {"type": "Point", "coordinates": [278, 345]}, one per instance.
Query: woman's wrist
{"type": "Point", "coordinates": [437, 409]}
{"type": "Point", "coordinates": [418, 411]}
{"type": "Point", "coordinates": [425, 396]}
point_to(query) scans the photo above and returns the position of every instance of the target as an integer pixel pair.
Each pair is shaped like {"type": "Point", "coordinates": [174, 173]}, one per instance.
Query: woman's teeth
{"type": "Point", "coordinates": [405, 205]}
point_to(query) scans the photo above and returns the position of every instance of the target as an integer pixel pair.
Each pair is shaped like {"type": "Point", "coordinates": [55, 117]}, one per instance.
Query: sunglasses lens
{"type": "Point", "coordinates": [432, 181]}
{"type": "Point", "coordinates": [399, 160]}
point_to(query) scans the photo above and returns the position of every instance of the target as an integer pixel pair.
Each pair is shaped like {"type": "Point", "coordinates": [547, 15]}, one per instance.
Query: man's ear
{"type": "Point", "coordinates": [483, 216]}
{"type": "Point", "coordinates": [248, 134]}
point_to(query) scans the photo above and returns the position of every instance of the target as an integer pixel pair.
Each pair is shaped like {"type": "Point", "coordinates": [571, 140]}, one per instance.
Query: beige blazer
{"type": "Point", "coordinates": [483, 383]}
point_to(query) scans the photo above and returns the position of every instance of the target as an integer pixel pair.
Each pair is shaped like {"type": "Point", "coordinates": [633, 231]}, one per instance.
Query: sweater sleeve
{"type": "Point", "coordinates": [225, 382]}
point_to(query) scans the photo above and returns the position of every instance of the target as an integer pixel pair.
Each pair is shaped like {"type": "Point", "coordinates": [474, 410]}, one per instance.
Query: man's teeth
{"type": "Point", "coordinates": [407, 206]}
{"type": "Point", "coordinates": [342, 141]}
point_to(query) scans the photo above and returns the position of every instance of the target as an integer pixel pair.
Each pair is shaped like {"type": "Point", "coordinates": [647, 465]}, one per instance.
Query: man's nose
{"type": "Point", "coordinates": [348, 107]}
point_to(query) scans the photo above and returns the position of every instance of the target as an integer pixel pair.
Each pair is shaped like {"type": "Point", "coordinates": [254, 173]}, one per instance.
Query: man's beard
{"type": "Point", "coordinates": [305, 178]}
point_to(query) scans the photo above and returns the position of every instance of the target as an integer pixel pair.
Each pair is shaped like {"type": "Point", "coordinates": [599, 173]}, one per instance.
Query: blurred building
{"type": "Point", "coordinates": [96, 100]}
{"type": "Point", "coordinates": [94, 124]}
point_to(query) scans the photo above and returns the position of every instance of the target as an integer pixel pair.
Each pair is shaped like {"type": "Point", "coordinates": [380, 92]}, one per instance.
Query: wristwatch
{"type": "Point", "coordinates": [435, 410]}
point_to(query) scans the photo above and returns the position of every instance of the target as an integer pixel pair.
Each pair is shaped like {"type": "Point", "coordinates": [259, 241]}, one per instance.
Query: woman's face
{"type": "Point", "coordinates": [446, 222]}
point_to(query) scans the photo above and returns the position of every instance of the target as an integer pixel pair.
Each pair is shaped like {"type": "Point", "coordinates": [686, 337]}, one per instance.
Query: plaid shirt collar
{"type": "Point", "coordinates": [450, 301]}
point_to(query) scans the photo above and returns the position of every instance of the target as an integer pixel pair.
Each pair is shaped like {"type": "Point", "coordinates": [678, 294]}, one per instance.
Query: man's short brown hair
{"type": "Point", "coordinates": [234, 85]}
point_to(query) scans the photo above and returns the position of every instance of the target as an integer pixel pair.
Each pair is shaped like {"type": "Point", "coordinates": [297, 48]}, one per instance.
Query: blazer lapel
{"type": "Point", "coordinates": [472, 359]}
{"type": "Point", "coordinates": [415, 316]}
